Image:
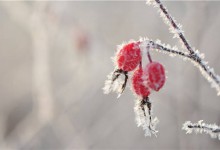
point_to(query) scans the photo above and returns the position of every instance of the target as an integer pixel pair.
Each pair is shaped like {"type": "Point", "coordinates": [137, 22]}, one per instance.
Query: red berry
{"type": "Point", "coordinates": [155, 75]}
{"type": "Point", "coordinates": [129, 56]}
{"type": "Point", "coordinates": [138, 85]}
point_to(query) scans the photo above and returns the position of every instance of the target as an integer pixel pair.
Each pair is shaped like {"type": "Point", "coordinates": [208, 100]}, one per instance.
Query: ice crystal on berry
{"type": "Point", "coordinates": [154, 73]}
{"type": "Point", "coordinates": [138, 84]}
{"type": "Point", "coordinates": [128, 56]}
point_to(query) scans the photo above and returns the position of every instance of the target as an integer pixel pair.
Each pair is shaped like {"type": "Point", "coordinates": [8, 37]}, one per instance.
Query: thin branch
{"type": "Point", "coordinates": [166, 49]}
{"type": "Point", "coordinates": [193, 55]}
{"type": "Point", "coordinates": [196, 59]}
{"type": "Point", "coordinates": [212, 129]}
{"type": "Point", "coordinates": [175, 26]}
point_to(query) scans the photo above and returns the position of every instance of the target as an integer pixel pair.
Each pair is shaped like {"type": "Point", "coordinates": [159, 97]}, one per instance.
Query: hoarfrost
{"type": "Point", "coordinates": [212, 129]}
{"type": "Point", "coordinates": [111, 86]}
{"type": "Point", "coordinates": [149, 126]}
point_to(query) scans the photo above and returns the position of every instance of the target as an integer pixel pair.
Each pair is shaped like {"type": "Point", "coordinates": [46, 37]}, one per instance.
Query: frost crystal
{"type": "Point", "coordinates": [212, 129]}
{"type": "Point", "coordinates": [196, 58]}
{"type": "Point", "coordinates": [193, 55]}
{"type": "Point", "coordinates": [111, 86]}
{"type": "Point", "coordinates": [149, 2]}
{"type": "Point", "coordinates": [143, 119]}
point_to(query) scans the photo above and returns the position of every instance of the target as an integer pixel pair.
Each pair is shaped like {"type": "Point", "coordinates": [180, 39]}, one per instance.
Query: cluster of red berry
{"type": "Point", "coordinates": [152, 77]}
{"type": "Point", "coordinates": [144, 79]}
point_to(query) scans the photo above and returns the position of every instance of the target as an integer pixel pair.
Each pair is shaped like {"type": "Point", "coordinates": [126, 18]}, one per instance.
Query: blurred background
{"type": "Point", "coordinates": [55, 57]}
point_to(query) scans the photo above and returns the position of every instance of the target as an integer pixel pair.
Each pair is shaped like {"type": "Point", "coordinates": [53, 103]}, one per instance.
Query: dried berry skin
{"type": "Point", "coordinates": [129, 56]}
{"type": "Point", "coordinates": [155, 75]}
{"type": "Point", "coordinates": [138, 85]}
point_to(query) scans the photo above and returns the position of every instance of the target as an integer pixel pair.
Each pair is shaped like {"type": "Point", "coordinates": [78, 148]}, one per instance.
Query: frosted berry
{"type": "Point", "coordinates": [138, 85]}
{"type": "Point", "coordinates": [129, 57]}
{"type": "Point", "coordinates": [155, 75]}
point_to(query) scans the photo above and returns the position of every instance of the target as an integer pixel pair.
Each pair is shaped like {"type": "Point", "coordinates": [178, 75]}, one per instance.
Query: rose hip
{"type": "Point", "coordinates": [129, 57]}
{"type": "Point", "coordinates": [155, 75]}
{"type": "Point", "coordinates": [138, 85]}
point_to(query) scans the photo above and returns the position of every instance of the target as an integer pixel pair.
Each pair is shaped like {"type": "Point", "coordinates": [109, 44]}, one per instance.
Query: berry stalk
{"type": "Point", "coordinates": [148, 51]}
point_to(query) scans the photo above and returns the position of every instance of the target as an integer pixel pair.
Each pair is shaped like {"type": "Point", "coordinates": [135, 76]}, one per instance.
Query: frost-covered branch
{"type": "Point", "coordinates": [196, 58]}
{"type": "Point", "coordinates": [166, 48]}
{"type": "Point", "coordinates": [175, 28]}
{"type": "Point", "coordinates": [212, 129]}
{"type": "Point", "coordinates": [129, 58]}
{"type": "Point", "coordinates": [193, 55]}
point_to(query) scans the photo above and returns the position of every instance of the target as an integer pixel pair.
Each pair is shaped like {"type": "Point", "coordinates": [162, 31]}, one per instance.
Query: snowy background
{"type": "Point", "coordinates": [55, 57]}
